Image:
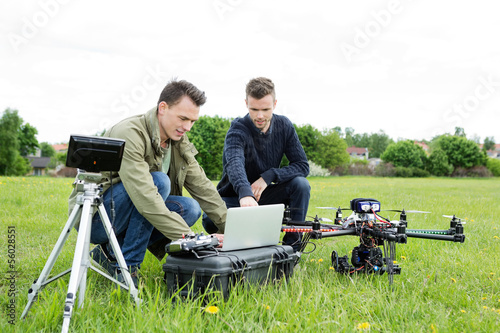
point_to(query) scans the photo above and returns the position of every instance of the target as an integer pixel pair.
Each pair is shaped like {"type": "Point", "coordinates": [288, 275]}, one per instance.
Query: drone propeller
{"type": "Point", "coordinates": [333, 208]}
{"type": "Point", "coordinates": [453, 217]}
{"type": "Point", "coordinates": [320, 219]}
{"type": "Point", "coordinates": [406, 211]}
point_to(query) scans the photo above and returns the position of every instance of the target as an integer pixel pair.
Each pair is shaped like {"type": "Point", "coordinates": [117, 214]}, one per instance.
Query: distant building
{"type": "Point", "coordinates": [38, 165]}
{"type": "Point", "coordinates": [424, 146]}
{"type": "Point", "coordinates": [494, 153]}
{"type": "Point", "coordinates": [60, 148]}
{"type": "Point", "coordinates": [356, 152]}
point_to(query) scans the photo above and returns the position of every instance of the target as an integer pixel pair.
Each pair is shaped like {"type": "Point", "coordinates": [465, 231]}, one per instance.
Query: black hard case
{"type": "Point", "coordinates": [193, 275]}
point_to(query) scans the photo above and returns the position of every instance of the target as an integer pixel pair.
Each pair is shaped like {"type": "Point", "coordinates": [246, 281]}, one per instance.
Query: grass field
{"type": "Point", "coordinates": [443, 286]}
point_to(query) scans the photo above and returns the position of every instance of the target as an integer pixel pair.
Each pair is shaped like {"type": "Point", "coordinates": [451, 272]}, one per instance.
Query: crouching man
{"type": "Point", "coordinates": [157, 163]}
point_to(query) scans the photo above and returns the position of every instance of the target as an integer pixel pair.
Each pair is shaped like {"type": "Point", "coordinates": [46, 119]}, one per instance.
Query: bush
{"type": "Point", "coordinates": [317, 171]}
{"type": "Point", "coordinates": [410, 172]}
{"type": "Point", "coordinates": [403, 172]}
{"type": "Point", "coordinates": [461, 152]}
{"type": "Point", "coordinates": [359, 167]}
{"type": "Point", "coordinates": [477, 171]}
{"type": "Point", "coordinates": [438, 163]}
{"type": "Point", "coordinates": [417, 172]}
{"type": "Point", "coordinates": [385, 170]}
{"type": "Point", "coordinates": [493, 165]}
{"type": "Point", "coordinates": [405, 154]}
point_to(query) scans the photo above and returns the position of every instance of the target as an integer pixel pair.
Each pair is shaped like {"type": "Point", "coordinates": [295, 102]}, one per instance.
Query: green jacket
{"type": "Point", "coordinates": [144, 155]}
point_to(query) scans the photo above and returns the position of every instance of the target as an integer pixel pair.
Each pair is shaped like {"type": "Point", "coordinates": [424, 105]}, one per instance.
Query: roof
{"type": "Point", "coordinates": [39, 162]}
{"type": "Point", "coordinates": [357, 150]}
{"type": "Point", "coordinates": [496, 147]}
{"type": "Point", "coordinates": [423, 145]}
{"type": "Point", "coordinates": [60, 147]}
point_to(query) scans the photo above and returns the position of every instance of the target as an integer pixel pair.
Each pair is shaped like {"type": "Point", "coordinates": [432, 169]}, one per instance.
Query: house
{"type": "Point", "coordinates": [38, 165]}
{"type": "Point", "coordinates": [494, 153]}
{"type": "Point", "coordinates": [424, 146]}
{"type": "Point", "coordinates": [60, 148]}
{"type": "Point", "coordinates": [357, 152]}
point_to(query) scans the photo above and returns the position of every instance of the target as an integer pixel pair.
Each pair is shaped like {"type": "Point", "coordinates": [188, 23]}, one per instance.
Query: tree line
{"type": "Point", "coordinates": [326, 149]}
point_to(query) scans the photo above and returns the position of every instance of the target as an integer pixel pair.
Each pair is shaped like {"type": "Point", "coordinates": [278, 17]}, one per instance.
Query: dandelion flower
{"type": "Point", "coordinates": [212, 309]}
{"type": "Point", "coordinates": [313, 260]}
{"type": "Point", "coordinates": [453, 280]}
{"type": "Point", "coordinates": [332, 268]}
{"type": "Point", "coordinates": [492, 273]}
{"type": "Point", "coordinates": [485, 307]}
{"type": "Point", "coordinates": [463, 311]}
{"type": "Point", "coordinates": [496, 237]}
{"type": "Point", "coordinates": [320, 260]}
{"type": "Point", "coordinates": [484, 298]}
{"type": "Point", "coordinates": [363, 326]}
{"type": "Point", "coordinates": [403, 257]}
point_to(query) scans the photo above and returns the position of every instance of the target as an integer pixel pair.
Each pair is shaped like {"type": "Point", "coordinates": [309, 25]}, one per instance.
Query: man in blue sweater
{"type": "Point", "coordinates": [253, 150]}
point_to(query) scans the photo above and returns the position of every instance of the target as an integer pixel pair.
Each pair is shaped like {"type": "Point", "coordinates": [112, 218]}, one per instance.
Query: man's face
{"type": "Point", "coordinates": [261, 111]}
{"type": "Point", "coordinates": [177, 119]}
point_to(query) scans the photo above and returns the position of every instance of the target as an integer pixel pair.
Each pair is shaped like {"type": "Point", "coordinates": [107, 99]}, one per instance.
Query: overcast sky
{"type": "Point", "coordinates": [414, 69]}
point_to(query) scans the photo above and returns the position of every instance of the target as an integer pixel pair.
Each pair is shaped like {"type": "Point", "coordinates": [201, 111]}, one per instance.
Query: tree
{"type": "Point", "coordinates": [405, 154]}
{"type": "Point", "coordinates": [438, 163]}
{"type": "Point", "coordinates": [493, 165]}
{"type": "Point", "coordinates": [378, 144]}
{"type": "Point", "coordinates": [308, 137]}
{"type": "Point", "coordinates": [461, 152]}
{"type": "Point", "coordinates": [459, 131]}
{"type": "Point", "coordinates": [27, 140]}
{"type": "Point", "coordinates": [489, 143]}
{"type": "Point", "coordinates": [349, 132]}
{"type": "Point", "coordinates": [16, 140]}
{"type": "Point", "coordinates": [331, 150]}
{"type": "Point", "coordinates": [208, 137]}
{"type": "Point", "coordinates": [47, 150]}
{"type": "Point", "coordinates": [361, 140]}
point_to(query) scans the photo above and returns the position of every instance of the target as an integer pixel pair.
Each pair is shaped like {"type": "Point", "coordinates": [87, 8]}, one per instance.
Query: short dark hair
{"type": "Point", "coordinates": [260, 87]}
{"type": "Point", "coordinates": [175, 90]}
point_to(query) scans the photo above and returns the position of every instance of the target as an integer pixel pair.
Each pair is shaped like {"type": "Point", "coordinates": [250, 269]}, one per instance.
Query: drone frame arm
{"type": "Point", "coordinates": [458, 238]}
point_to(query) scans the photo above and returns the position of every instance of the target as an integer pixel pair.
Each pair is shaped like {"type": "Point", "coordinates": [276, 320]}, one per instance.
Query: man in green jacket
{"type": "Point", "coordinates": [158, 162]}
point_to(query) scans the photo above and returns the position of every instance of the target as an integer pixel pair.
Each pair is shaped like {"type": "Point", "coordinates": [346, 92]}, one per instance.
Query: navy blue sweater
{"type": "Point", "coordinates": [250, 154]}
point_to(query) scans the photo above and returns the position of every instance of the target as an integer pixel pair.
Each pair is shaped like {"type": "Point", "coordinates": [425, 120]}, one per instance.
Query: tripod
{"type": "Point", "coordinates": [88, 200]}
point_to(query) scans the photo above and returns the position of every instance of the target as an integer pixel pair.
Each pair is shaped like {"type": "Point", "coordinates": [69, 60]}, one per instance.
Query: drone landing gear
{"type": "Point", "coordinates": [368, 260]}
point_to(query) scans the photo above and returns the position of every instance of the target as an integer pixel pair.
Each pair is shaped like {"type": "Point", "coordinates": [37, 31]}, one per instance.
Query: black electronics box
{"type": "Point", "coordinates": [192, 275]}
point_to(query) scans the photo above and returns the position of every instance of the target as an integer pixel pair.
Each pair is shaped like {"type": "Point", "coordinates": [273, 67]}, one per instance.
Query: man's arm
{"type": "Point", "coordinates": [298, 166]}
{"type": "Point", "coordinates": [138, 182]}
{"type": "Point", "coordinates": [234, 162]}
{"type": "Point", "coordinates": [204, 191]}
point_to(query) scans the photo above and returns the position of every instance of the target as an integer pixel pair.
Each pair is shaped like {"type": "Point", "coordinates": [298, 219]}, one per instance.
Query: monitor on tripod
{"type": "Point", "coordinates": [94, 153]}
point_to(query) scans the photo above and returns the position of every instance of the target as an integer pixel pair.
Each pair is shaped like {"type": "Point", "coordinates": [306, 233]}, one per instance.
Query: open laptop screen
{"type": "Point", "coordinates": [249, 227]}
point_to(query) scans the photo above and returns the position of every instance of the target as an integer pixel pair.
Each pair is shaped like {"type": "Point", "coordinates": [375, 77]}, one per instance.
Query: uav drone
{"type": "Point", "coordinates": [374, 231]}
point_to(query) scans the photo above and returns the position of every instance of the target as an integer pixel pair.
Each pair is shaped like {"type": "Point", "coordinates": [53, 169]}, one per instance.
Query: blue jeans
{"type": "Point", "coordinates": [133, 231]}
{"type": "Point", "coordinates": [295, 193]}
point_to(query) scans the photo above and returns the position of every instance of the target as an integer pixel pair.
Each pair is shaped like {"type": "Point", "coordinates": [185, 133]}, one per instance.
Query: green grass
{"type": "Point", "coordinates": [443, 286]}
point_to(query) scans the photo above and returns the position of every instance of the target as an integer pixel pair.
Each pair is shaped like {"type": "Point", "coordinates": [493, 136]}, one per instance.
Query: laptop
{"type": "Point", "coordinates": [249, 227]}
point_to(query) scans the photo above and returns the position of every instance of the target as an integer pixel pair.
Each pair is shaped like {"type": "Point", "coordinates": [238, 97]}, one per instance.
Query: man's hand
{"type": "Point", "coordinates": [258, 187]}
{"type": "Point", "coordinates": [220, 238]}
{"type": "Point", "coordinates": [248, 202]}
